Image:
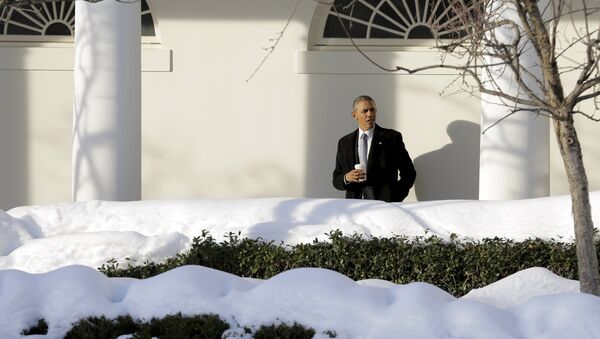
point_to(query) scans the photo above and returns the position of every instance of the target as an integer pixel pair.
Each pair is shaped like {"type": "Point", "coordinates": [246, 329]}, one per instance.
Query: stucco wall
{"type": "Point", "coordinates": [207, 132]}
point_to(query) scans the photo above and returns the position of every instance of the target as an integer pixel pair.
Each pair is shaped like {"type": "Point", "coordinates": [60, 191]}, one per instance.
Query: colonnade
{"type": "Point", "coordinates": [514, 154]}
{"type": "Point", "coordinates": [514, 159]}
{"type": "Point", "coordinates": [107, 101]}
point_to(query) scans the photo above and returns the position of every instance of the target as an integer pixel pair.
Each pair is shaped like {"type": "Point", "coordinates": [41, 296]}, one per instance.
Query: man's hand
{"type": "Point", "coordinates": [355, 175]}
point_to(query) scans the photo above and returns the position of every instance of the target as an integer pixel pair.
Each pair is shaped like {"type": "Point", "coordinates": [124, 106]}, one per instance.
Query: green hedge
{"type": "Point", "coordinates": [177, 326]}
{"type": "Point", "coordinates": [455, 266]}
{"type": "Point", "coordinates": [171, 326]}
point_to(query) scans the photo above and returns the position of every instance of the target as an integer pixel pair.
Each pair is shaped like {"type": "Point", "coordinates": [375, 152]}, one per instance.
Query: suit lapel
{"type": "Point", "coordinates": [355, 148]}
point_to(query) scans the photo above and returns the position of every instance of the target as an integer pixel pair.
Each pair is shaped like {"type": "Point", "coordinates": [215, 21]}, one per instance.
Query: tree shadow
{"type": "Point", "coordinates": [298, 220]}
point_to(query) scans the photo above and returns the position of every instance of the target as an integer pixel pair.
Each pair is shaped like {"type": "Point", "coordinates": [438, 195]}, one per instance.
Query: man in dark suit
{"type": "Point", "coordinates": [389, 171]}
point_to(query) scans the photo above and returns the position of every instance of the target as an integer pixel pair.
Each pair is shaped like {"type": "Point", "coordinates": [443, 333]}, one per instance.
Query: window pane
{"type": "Point", "coordinates": [333, 29]}
{"type": "Point", "coordinates": [393, 19]}
{"type": "Point", "coordinates": [55, 19]}
{"type": "Point", "coordinates": [148, 25]}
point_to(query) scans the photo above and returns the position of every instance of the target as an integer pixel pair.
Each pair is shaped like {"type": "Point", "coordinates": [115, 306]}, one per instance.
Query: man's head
{"type": "Point", "coordinates": [364, 111]}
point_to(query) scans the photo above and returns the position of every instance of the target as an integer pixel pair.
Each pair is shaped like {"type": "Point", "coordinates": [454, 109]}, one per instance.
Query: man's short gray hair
{"type": "Point", "coordinates": [362, 98]}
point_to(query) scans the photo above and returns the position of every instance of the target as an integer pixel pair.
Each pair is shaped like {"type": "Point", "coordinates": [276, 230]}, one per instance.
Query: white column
{"type": "Point", "coordinates": [515, 156]}
{"type": "Point", "coordinates": [107, 101]}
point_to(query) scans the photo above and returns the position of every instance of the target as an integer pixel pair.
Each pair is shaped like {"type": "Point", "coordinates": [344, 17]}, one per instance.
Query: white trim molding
{"type": "Point", "coordinates": [60, 58]}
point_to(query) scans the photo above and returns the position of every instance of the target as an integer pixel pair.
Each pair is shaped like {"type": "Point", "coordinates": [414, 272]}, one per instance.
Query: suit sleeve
{"type": "Point", "coordinates": [338, 172]}
{"type": "Point", "coordinates": [406, 169]}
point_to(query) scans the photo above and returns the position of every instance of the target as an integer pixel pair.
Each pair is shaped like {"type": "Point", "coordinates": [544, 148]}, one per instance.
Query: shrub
{"type": "Point", "coordinates": [283, 331]}
{"type": "Point", "coordinates": [455, 266]}
{"type": "Point", "coordinates": [40, 328]}
{"type": "Point", "coordinates": [170, 327]}
{"type": "Point", "coordinates": [101, 327]}
{"type": "Point", "coordinates": [179, 327]}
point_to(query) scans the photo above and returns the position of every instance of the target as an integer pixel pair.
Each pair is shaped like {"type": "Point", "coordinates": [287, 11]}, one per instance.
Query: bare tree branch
{"type": "Point", "coordinates": [591, 117]}
{"type": "Point", "coordinates": [276, 40]}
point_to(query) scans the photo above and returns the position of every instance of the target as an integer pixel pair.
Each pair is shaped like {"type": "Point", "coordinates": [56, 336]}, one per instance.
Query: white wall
{"type": "Point", "coordinates": [276, 135]}
{"type": "Point", "coordinates": [209, 133]}
{"type": "Point", "coordinates": [35, 137]}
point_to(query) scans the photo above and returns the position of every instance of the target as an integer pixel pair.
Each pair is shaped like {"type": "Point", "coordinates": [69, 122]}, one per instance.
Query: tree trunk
{"type": "Point", "coordinates": [570, 149]}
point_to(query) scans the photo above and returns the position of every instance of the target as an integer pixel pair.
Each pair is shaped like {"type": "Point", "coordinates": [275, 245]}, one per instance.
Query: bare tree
{"type": "Point", "coordinates": [490, 39]}
{"type": "Point", "coordinates": [493, 37]}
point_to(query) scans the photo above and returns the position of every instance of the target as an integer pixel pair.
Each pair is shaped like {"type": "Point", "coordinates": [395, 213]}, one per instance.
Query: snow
{"type": "Point", "coordinates": [49, 255]}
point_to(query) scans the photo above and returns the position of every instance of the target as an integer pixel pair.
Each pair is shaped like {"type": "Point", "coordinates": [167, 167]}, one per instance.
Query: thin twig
{"type": "Point", "coordinates": [277, 40]}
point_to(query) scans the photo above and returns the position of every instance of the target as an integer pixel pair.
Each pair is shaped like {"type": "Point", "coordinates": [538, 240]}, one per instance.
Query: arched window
{"type": "Point", "coordinates": [384, 22]}
{"type": "Point", "coordinates": [55, 22]}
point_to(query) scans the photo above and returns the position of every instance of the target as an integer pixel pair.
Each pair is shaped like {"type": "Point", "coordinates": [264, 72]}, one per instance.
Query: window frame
{"type": "Point", "coordinates": [42, 40]}
{"type": "Point", "coordinates": [316, 41]}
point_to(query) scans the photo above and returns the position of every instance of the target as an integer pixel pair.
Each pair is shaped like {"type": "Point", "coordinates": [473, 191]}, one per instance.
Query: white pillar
{"type": "Point", "coordinates": [107, 101]}
{"type": "Point", "coordinates": [515, 156]}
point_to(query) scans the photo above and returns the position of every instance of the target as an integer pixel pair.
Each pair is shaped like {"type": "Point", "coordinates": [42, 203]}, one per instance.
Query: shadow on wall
{"type": "Point", "coordinates": [451, 172]}
{"type": "Point", "coordinates": [14, 144]}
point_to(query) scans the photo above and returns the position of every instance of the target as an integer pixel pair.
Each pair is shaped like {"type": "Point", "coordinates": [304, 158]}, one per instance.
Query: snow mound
{"type": "Point", "coordinates": [317, 298]}
{"type": "Point", "coordinates": [13, 234]}
{"type": "Point", "coordinates": [523, 285]}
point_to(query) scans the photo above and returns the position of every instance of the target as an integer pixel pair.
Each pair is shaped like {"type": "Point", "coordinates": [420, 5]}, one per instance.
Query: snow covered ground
{"type": "Point", "coordinates": [48, 256]}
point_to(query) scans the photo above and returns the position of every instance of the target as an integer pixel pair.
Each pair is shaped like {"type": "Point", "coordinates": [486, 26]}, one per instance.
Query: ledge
{"type": "Point", "coordinates": [45, 58]}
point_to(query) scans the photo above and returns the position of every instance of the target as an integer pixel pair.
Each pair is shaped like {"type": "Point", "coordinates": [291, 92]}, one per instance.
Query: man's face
{"type": "Point", "coordinates": [365, 113]}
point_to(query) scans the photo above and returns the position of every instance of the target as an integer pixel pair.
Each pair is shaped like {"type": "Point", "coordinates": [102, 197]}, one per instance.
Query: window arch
{"type": "Point", "coordinates": [383, 23]}
{"type": "Point", "coordinates": [55, 22]}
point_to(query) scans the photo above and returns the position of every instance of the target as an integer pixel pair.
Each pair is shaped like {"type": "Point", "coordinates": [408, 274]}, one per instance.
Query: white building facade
{"type": "Point", "coordinates": [208, 131]}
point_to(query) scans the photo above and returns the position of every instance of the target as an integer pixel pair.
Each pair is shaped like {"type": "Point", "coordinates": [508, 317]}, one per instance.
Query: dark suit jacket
{"type": "Point", "coordinates": [387, 158]}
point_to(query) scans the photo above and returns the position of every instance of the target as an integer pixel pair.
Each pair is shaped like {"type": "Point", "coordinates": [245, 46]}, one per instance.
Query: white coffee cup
{"type": "Point", "coordinates": [362, 167]}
